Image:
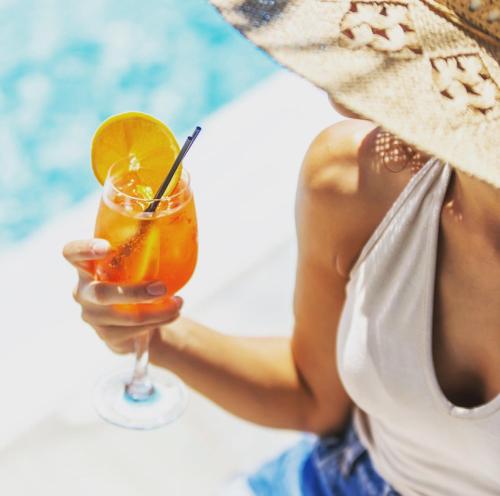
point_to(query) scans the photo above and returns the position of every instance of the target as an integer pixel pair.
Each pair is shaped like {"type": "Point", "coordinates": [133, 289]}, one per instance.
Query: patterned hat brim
{"type": "Point", "coordinates": [399, 63]}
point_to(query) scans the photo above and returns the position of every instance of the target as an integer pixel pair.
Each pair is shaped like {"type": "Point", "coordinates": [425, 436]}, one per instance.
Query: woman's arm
{"type": "Point", "coordinates": [254, 378]}
{"type": "Point", "coordinates": [279, 382]}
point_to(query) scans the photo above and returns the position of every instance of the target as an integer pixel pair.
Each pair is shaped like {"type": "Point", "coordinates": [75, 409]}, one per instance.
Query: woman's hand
{"type": "Point", "coordinates": [97, 299]}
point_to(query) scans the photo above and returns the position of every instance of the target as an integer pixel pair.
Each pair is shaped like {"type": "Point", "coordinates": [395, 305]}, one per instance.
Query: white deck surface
{"type": "Point", "coordinates": [244, 171]}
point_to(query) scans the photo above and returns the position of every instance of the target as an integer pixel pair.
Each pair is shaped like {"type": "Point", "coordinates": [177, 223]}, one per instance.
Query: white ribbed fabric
{"type": "Point", "coordinates": [418, 441]}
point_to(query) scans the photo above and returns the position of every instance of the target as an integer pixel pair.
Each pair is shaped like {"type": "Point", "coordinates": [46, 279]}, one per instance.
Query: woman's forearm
{"type": "Point", "coordinates": [254, 378]}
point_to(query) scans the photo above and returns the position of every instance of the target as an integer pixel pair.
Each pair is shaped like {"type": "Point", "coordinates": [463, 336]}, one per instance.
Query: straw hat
{"type": "Point", "coordinates": [426, 70]}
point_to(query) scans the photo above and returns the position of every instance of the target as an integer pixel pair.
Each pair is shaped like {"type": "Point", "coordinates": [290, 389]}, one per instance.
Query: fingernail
{"type": "Point", "coordinates": [100, 247]}
{"type": "Point", "coordinates": [179, 301]}
{"type": "Point", "coordinates": [156, 289]}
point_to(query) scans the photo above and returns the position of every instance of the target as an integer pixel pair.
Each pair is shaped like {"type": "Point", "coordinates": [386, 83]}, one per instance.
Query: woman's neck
{"type": "Point", "coordinates": [476, 205]}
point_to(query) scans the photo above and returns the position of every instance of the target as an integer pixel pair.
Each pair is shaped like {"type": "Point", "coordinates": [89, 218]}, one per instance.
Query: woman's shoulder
{"type": "Point", "coordinates": [352, 173]}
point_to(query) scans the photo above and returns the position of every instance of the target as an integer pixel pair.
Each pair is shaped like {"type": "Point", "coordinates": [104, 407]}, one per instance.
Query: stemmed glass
{"type": "Point", "coordinates": [151, 239]}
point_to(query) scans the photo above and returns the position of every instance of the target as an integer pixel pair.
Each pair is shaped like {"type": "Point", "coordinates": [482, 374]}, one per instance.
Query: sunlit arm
{"type": "Point", "coordinates": [288, 383]}
{"type": "Point", "coordinates": [254, 378]}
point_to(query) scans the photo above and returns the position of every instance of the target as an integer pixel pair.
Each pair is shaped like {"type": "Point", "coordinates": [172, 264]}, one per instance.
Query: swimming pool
{"type": "Point", "coordinates": [72, 64]}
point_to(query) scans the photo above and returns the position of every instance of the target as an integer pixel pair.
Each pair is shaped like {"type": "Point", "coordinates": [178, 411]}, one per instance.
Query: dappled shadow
{"type": "Point", "coordinates": [383, 150]}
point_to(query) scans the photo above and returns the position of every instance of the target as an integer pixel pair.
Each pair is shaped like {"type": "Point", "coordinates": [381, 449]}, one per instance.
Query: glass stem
{"type": "Point", "coordinates": [140, 388]}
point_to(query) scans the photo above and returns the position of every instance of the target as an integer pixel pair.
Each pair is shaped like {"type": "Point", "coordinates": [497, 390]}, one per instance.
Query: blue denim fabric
{"type": "Point", "coordinates": [329, 466]}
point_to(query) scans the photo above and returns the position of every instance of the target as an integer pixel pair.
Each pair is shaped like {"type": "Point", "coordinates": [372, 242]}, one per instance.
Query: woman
{"type": "Point", "coordinates": [395, 355]}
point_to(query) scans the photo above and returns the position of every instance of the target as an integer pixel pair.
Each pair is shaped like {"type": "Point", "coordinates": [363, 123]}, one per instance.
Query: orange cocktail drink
{"type": "Point", "coordinates": [147, 215]}
{"type": "Point", "coordinates": [147, 246]}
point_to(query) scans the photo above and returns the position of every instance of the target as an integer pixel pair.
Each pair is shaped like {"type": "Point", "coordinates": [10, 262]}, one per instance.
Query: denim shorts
{"type": "Point", "coordinates": [329, 466]}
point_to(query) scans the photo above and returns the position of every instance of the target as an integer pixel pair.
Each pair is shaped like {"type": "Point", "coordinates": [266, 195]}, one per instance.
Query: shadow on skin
{"type": "Point", "coordinates": [390, 152]}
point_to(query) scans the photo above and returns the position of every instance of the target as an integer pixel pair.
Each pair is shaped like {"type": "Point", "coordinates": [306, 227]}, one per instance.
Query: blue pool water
{"type": "Point", "coordinates": [66, 65]}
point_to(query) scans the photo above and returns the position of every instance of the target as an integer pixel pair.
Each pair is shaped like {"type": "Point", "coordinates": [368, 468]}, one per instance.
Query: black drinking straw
{"type": "Point", "coordinates": [185, 148]}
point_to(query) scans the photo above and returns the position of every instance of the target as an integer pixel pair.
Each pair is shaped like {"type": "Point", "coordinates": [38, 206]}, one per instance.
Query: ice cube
{"type": "Point", "coordinates": [145, 192]}
{"type": "Point", "coordinates": [134, 164]}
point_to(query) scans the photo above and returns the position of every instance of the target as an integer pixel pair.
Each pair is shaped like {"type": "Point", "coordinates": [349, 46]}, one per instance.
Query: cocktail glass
{"type": "Point", "coordinates": [146, 246]}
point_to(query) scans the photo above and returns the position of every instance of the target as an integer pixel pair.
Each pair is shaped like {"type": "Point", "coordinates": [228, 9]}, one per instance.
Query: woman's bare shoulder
{"type": "Point", "coordinates": [347, 184]}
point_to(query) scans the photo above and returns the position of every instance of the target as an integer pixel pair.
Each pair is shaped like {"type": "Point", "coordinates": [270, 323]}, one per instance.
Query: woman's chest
{"type": "Point", "coordinates": [402, 342]}
{"type": "Point", "coordinates": [466, 333]}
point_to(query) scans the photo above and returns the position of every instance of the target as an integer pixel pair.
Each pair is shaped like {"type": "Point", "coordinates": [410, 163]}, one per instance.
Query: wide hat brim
{"type": "Point", "coordinates": [399, 63]}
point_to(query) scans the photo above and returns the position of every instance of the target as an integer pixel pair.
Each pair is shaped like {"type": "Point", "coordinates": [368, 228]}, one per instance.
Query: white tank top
{"type": "Point", "coordinates": [419, 442]}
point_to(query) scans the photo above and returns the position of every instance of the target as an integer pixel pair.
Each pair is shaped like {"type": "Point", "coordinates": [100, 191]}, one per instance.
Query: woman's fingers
{"type": "Point", "coordinates": [85, 250]}
{"type": "Point", "coordinates": [100, 301]}
{"type": "Point", "coordinates": [81, 253]}
{"type": "Point", "coordinates": [103, 293]}
{"type": "Point", "coordinates": [118, 335]}
{"type": "Point", "coordinates": [120, 341]}
{"type": "Point", "coordinates": [96, 315]}
{"type": "Point", "coordinates": [121, 347]}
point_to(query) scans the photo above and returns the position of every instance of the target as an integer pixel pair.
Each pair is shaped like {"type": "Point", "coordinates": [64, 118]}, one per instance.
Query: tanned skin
{"type": "Point", "coordinates": [344, 191]}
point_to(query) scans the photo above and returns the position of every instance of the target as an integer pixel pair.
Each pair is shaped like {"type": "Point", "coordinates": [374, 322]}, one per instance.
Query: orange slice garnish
{"type": "Point", "coordinates": [141, 139]}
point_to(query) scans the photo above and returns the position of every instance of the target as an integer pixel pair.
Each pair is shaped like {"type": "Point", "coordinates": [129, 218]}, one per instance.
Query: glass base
{"type": "Point", "coordinates": [165, 405]}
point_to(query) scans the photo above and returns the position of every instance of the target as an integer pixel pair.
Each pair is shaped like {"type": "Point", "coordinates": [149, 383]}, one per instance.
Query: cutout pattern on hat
{"type": "Point", "coordinates": [481, 14]}
{"type": "Point", "coordinates": [419, 68]}
{"type": "Point", "coordinates": [385, 26]}
{"type": "Point", "coordinates": [259, 13]}
{"type": "Point", "coordinates": [466, 80]}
